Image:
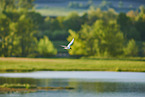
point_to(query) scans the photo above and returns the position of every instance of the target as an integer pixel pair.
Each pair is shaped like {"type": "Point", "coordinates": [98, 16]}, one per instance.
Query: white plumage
{"type": "Point", "coordinates": [68, 46]}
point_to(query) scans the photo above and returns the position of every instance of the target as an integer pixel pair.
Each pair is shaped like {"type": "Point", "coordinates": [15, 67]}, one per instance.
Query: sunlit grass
{"type": "Point", "coordinates": [36, 64]}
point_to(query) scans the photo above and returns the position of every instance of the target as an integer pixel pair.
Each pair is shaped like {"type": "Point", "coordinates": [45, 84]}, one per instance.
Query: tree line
{"type": "Point", "coordinates": [19, 25]}
{"type": "Point", "coordinates": [25, 33]}
{"type": "Point", "coordinates": [109, 34]}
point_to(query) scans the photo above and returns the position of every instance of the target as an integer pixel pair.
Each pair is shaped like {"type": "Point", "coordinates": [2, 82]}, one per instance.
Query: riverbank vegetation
{"type": "Point", "coordinates": [27, 88]}
{"type": "Point", "coordinates": [84, 64]}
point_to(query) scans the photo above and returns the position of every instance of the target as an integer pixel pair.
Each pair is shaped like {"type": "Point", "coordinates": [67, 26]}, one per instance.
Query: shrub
{"type": "Point", "coordinates": [46, 48]}
{"type": "Point", "coordinates": [131, 49]}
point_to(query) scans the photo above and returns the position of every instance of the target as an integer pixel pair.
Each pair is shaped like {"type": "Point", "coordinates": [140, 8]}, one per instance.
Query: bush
{"type": "Point", "coordinates": [131, 49]}
{"type": "Point", "coordinates": [46, 48]}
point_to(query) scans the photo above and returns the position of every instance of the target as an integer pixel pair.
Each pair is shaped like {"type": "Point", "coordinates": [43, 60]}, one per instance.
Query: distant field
{"type": "Point", "coordinates": [56, 8]}
{"type": "Point", "coordinates": [52, 64]}
{"type": "Point", "coordinates": [58, 11]}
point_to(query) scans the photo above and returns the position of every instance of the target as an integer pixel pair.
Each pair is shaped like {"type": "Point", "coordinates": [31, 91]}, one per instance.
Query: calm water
{"type": "Point", "coordinates": [86, 84]}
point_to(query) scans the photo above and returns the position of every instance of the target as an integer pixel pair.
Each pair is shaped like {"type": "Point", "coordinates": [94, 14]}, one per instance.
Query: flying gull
{"type": "Point", "coordinates": [68, 46]}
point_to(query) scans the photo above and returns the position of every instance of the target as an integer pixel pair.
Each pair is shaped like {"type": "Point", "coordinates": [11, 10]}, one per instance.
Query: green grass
{"type": "Point", "coordinates": [58, 11]}
{"type": "Point", "coordinates": [39, 64]}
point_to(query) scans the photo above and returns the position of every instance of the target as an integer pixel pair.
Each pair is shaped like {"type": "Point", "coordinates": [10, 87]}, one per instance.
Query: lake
{"type": "Point", "coordinates": [86, 83]}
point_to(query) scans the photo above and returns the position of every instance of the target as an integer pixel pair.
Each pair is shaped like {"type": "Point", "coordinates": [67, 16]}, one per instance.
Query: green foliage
{"type": "Point", "coordinates": [96, 32]}
{"type": "Point", "coordinates": [18, 25]}
{"type": "Point", "coordinates": [57, 44]}
{"type": "Point", "coordinates": [100, 39]}
{"type": "Point", "coordinates": [26, 4]}
{"type": "Point", "coordinates": [72, 21]}
{"type": "Point", "coordinates": [59, 35]}
{"type": "Point", "coordinates": [46, 48]}
{"type": "Point", "coordinates": [143, 48]}
{"type": "Point", "coordinates": [52, 24]}
{"type": "Point", "coordinates": [36, 18]}
{"type": "Point", "coordinates": [131, 48]}
{"type": "Point", "coordinates": [9, 5]}
{"type": "Point", "coordinates": [95, 14]}
{"type": "Point", "coordinates": [78, 47]}
{"type": "Point", "coordinates": [25, 31]}
{"type": "Point", "coordinates": [140, 23]}
{"type": "Point", "coordinates": [123, 21]}
{"type": "Point", "coordinates": [127, 27]}
{"type": "Point", "coordinates": [110, 38]}
{"type": "Point", "coordinates": [27, 86]}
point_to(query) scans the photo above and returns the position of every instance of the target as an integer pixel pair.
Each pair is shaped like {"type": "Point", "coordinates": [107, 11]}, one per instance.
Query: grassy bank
{"type": "Point", "coordinates": [39, 64]}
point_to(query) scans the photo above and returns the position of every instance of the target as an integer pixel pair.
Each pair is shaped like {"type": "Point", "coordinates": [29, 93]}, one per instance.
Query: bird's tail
{"type": "Point", "coordinates": [63, 46]}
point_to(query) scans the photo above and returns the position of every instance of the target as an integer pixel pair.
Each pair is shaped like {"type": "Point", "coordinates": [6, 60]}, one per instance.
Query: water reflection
{"type": "Point", "coordinates": [80, 85]}
{"type": "Point", "coordinates": [86, 84]}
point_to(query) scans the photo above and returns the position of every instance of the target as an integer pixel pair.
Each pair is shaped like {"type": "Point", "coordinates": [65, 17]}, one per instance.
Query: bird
{"type": "Point", "coordinates": [68, 46]}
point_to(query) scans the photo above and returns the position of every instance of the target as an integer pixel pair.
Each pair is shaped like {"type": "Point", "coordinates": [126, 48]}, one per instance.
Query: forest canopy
{"type": "Point", "coordinates": [26, 33]}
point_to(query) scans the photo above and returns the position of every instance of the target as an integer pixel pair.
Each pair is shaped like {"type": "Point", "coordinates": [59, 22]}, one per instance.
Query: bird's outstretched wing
{"type": "Point", "coordinates": [70, 43]}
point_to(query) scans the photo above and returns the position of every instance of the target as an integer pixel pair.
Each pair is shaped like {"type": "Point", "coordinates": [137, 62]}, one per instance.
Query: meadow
{"type": "Point", "coordinates": [60, 64]}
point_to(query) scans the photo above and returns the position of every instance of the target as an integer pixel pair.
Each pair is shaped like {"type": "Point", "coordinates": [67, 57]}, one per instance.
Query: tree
{"type": "Point", "coordinates": [11, 26]}
{"type": "Point", "coordinates": [4, 34]}
{"type": "Point", "coordinates": [72, 21]}
{"type": "Point", "coordinates": [110, 38]}
{"type": "Point", "coordinates": [59, 35]}
{"type": "Point", "coordinates": [100, 39]}
{"type": "Point", "coordinates": [93, 15]}
{"type": "Point", "coordinates": [128, 27]}
{"type": "Point", "coordinates": [7, 5]}
{"type": "Point", "coordinates": [131, 48]}
{"type": "Point", "coordinates": [132, 14]}
{"type": "Point", "coordinates": [123, 21]}
{"type": "Point", "coordinates": [25, 32]}
{"type": "Point", "coordinates": [96, 14]}
{"type": "Point", "coordinates": [36, 18]}
{"type": "Point", "coordinates": [24, 4]}
{"type": "Point", "coordinates": [46, 48]}
{"type": "Point", "coordinates": [18, 23]}
{"type": "Point", "coordinates": [143, 48]}
{"type": "Point", "coordinates": [78, 47]}
{"type": "Point", "coordinates": [140, 23]}
{"type": "Point", "coordinates": [109, 15]}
